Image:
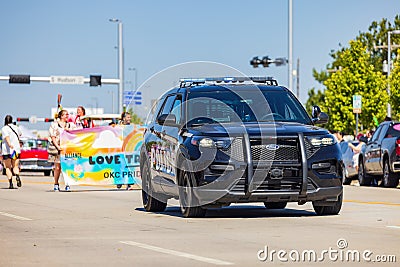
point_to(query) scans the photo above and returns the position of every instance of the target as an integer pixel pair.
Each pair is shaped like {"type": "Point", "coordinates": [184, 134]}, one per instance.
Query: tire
{"type": "Point", "coordinates": [149, 198]}
{"type": "Point", "coordinates": [389, 179]}
{"type": "Point", "coordinates": [190, 206]}
{"type": "Point", "coordinates": [329, 210]}
{"type": "Point", "coordinates": [363, 178]}
{"type": "Point", "coordinates": [275, 205]}
{"type": "Point", "coordinates": [47, 173]}
{"type": "Point", "coordinates": [346, 180]}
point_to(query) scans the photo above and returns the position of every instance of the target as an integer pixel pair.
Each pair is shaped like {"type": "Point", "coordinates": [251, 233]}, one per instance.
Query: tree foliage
{"type": "Point", "coordinates": [135, 119]}
{"type": "Point", "coordinates": [356, 77]}
{"type": "Point", "coordinates": [395, 89]}
{"type": "Point", "coordinates": [357, 69]}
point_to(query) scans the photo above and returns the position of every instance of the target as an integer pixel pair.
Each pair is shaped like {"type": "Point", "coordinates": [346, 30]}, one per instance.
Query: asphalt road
{"type": "Point", "coordinates": [103, 226]}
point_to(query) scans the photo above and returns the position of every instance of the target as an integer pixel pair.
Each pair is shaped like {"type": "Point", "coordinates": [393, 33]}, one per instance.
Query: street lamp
{"type": "Point", "coordinates": [120, 64]}
{"type": "Point", "coordinates": [389, 110]}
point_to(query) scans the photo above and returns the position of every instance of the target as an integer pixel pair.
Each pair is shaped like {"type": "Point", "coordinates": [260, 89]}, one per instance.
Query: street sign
{"type": "Point", "coordinates": [67, 79]}
{"type": "Point", "coordinates": [357, 104]}
{"type": "Point", "coordinates": [132, 97]}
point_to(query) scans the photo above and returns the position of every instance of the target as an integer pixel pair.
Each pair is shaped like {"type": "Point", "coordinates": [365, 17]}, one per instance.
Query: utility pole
{"type": "Point", "coordinates": [298, 78]}
{"type": "Point", "coordinates": [290, 45]}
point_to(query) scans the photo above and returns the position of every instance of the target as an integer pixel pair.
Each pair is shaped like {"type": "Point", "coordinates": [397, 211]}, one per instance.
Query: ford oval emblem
{"type": "Point", "coordinates": [272, 147]}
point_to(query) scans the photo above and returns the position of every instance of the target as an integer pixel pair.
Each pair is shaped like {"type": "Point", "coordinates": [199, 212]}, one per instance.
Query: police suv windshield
{"type": "Point", "coordinates": [244, 105]}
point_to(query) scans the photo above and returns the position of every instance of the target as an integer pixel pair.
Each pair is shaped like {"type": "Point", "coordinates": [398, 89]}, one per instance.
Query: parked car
{"type": "Point", "coordinates": [34, 156]}
{"type": "Point", "coordinates": [350, 172]}
{"type": "Point", "coordinates": [380, 158]}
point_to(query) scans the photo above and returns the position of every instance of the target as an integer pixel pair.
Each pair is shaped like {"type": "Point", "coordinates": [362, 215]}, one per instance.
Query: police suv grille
{"type": "Point", "coordinates": [235, 150]}
{"type": "Point", "coordinates": [310, 149]}
{"type": "Point", "coordinates": [284, 149]}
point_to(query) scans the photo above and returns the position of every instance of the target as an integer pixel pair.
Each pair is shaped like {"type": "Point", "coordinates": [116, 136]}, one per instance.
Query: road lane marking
{"type": "Point", "coordinates": [373, 202]}
{"type": "Point", "coordinates": [15, 216]}
{"type": "Point", "coordinates": [177, 253]}
{"type": "Point", "coordinates": [393, 226]}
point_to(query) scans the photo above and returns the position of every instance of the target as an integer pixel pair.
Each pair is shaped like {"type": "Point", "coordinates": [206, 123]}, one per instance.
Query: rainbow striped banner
{"type": "Point", "coordinates": [102, 155]}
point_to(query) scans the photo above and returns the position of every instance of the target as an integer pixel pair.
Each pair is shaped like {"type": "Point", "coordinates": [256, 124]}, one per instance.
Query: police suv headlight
{"type": "Point", "coordinates": [321, 140]}
{"type": "Point", "coordinates": [220, 142]}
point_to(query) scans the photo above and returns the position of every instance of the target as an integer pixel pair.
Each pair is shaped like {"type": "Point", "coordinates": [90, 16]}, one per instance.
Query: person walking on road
{"type": "Point", "coordinates": [55, 131]}
{"type": "Point", "coordinates": [125, 120]}
{"type": "Point", "coordinates": [11, 150]}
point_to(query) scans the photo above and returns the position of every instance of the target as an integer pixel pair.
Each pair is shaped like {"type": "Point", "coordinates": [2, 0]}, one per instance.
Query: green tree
{"type": "Point", "coordinates": [395, 89]}
{"type": "Point", "coordinates": [135, 119]}
{"type": "Point", "coordinates": [376, 40]}
{"type": "Point", "coordinates": [357, 76]}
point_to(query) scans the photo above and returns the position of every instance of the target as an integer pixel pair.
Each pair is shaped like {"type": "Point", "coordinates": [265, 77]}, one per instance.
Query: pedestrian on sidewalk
{"type": "Point", "coordinates": [11, 150]}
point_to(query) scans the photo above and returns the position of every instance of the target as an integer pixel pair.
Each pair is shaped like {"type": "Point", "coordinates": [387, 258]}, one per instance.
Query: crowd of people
{"type": "Point", "coordinates": [11, 145]}
{"type": "Point", "coordinates": [356, 148]}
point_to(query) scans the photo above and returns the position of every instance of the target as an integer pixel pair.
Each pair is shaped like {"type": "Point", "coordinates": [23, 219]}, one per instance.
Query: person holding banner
{"type": "Point", "coordinates": [79, 122]}
{"type": "Point", "coordinates": [55, 130]}
{"type": "Point", "coordinates": [11, 150]}
{"type": "Point", "coordinates": [125, 120]}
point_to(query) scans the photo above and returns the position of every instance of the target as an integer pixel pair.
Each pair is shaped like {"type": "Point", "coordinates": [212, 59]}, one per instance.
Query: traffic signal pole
{"type": "Point", "coordinates": [50, 79]}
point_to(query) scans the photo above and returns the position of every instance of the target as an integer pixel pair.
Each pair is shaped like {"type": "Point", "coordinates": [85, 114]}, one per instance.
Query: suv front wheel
{"type": "Point", "coordinates": [363, 178]}
{"type": "Point", "coordinates": [329, 210]}
{"type": "Point", "coordinates": [389, 178]}
{"type": "Point", "coordinates": [150, 202]}
{"type": "Point", "coordinates": [190, 206]}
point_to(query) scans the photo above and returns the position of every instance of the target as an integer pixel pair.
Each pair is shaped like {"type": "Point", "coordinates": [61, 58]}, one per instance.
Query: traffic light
{"type": "Point", "coordinates": [266, 61]}
{"type": "Point", "coordinates": [19, 78]}
{"type": "Point", "coordinates": [255, 62]}
{"type": "Point", "coordinates": [22, 119]}
{"type": "Point", "coordinates": [95, 80]}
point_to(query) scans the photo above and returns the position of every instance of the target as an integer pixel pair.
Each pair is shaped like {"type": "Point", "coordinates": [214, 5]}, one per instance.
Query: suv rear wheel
{"type": "Point", "coordinates": [363, 178]}
{"type": "Point", "coordinates": [389, 179]}
{"type": "Point", "coordinates": [190, 206]}
{"type": "Point", "coordinates": [150, 202]}
{"type": "Point", "coordinates": [329, 210]}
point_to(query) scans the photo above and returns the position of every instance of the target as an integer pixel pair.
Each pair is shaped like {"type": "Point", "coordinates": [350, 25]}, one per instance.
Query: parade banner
{"type": "Point", "coordinates": [102, 155]}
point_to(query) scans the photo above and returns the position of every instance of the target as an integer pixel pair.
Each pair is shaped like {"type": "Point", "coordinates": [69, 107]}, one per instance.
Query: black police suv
{"type": "Point", "coordinates": [216, 141]}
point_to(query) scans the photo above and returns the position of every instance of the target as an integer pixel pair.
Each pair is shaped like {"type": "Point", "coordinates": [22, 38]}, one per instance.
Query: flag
{"type": "Point", "coordinates": [14, 155]}
{"type": "Point", "coordinates": [375, 119]}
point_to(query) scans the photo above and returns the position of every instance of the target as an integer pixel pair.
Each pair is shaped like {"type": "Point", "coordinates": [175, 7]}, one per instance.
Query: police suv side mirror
{"type": "Point", "coordinates": [167, 119]}
{"type": "Point", "coordinates": [322, 118]}
{"type": "Point", "coordinates": [319, 117]}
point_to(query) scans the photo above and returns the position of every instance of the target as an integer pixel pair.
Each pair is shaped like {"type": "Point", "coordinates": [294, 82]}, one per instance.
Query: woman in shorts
{"type": "Point", "coordinates": [11, 150]}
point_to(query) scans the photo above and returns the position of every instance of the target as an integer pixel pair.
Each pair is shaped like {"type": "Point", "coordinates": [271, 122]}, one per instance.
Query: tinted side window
{"type": "Point", "coordinates": [393, 131]}
{"type": "Point", "coordinates": [154, 110]}
{"type": "Point", "coordinates": [382, 134]}
{"type": "Point", "coordinates": [177, 109]}
{"type": "Point", "coordinates": [376, 134]}
{"type": "Point", "coordinates": [167, 105]}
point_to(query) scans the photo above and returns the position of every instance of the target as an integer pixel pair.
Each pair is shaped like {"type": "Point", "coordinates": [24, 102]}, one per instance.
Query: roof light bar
{"type": "Point", "coordinates": [187, 82]}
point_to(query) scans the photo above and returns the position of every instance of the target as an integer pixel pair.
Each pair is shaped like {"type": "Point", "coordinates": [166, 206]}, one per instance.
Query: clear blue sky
{"type": "Point", "coordinates": [45, 38]}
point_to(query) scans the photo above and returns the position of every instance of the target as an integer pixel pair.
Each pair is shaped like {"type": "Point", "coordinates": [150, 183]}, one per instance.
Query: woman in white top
{"type": "Point", "coordinates": [11, 150]}
{"type": "Point", "coordinates": [55, 130]}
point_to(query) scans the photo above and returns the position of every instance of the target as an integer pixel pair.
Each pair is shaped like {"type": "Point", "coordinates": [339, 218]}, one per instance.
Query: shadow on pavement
{"type": "Point", "coordinates": [242, 211]}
